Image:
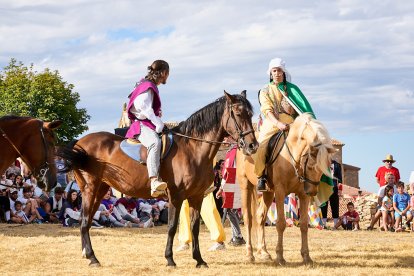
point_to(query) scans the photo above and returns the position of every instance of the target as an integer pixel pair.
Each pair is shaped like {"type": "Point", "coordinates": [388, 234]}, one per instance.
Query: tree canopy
{"type": "Point", "coordinates": [44, 95]}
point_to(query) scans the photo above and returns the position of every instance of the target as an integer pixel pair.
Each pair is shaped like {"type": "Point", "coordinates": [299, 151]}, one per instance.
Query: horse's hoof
{"type": "Point", "coordinates": [281, 262]}
{"type": "Point", "coordinates": [308, 262]}
{"type": "Point", "coordinates": [250, 259]}
{"type": "Point", "coordinates": [94, 264]}
{"type": "Point", "coordinates": [84, 253]}
{"type": "Point", "coordinates": [265, 256]}
{"type": "Point", "coordinates": [171, 264]}
{"type": "Point", "coordinates": [202, 265]}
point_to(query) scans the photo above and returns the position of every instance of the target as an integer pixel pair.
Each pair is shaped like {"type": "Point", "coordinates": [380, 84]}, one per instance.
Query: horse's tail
{"type": "Point", "coordinates": [75, 158]}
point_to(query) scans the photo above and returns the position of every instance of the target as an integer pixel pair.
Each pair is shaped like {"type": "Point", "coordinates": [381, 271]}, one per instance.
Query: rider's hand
{"type": "Point", "coordinates": [282, 126]}
{"type": "Point", "coordinates": [159, 126]}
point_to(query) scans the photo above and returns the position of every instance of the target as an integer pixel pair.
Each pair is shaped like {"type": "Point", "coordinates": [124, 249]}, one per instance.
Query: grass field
{"type": "Point", "coordinates": [54, 250]}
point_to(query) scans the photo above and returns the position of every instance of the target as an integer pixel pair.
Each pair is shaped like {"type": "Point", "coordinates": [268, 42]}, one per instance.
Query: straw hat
{"type": "Point", "coordinates": [389, 157]}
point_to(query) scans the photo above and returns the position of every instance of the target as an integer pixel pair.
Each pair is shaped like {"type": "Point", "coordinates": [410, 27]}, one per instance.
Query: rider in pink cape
{"type": "Point", "coordinates": [144, 111]}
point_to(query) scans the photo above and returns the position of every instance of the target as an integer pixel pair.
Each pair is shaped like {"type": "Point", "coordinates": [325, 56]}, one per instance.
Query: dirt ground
{"type": "Point", "coordinates": [54, 250]}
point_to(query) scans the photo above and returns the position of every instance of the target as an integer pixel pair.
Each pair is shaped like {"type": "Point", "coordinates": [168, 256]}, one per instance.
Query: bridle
{"type": "Point", "coordinates": [301, 177]}
{"type": "Point", "coordinates": [44, 168]}
{"type": "Point", "coordinates": [240, 140]}
{"type": "Point", "coordinates": [241, 134]}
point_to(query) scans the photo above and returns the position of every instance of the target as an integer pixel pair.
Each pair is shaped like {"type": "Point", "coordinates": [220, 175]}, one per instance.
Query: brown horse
{"type": "Point", "coordinates": [98, 163]}
{"type": "Point", "coordinates": [298, 164]}
{"type": "Point", "coordinates": [34, 142]}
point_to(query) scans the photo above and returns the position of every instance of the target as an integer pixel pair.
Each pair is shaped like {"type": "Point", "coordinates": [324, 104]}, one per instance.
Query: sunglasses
{"type": "Point", "coordinates": [388, 161]}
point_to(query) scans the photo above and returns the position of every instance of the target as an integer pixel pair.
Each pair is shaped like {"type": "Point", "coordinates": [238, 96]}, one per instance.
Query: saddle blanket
{"type": "Point", "coordinates": [132, 150]}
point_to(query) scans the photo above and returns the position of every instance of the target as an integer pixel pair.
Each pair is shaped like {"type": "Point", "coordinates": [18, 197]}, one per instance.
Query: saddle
{"type": "Point", "coordinates": [274, 147]}
{"type": "Point", "coordinates": [137, 151]}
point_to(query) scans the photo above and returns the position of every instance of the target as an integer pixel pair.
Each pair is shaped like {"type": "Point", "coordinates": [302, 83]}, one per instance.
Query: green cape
{"type": "Point", "coordinates": [301, 103]}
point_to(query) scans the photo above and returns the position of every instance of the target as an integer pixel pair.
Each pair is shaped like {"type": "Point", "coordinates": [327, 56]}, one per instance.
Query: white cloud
{"type": "Point", "coordinates": [353, 59]}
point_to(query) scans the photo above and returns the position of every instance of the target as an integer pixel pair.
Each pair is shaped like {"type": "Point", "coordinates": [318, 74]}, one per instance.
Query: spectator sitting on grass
{"type": "Point", "coordinates": [148, 209]}
{"type": "Point", "coordinates": [30, 206]}
{"type": "Point", "coordinates": [54, 205]}
{"type": "Point", "coordinates": [401, 204]}
{"type": "Point", "coordinates": [350, 219]}
{"type": "Point", "coordinates": [19, 216]}
{"type": "Point", "coordinates": [127, 207]}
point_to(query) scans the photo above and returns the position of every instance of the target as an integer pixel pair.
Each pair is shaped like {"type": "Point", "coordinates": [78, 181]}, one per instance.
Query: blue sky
{"type": "Point", "coordinates": [354, 60]}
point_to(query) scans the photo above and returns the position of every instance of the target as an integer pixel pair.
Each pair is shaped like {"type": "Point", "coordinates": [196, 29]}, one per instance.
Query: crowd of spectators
{"type": "Point", "coordinates": [22, 201]}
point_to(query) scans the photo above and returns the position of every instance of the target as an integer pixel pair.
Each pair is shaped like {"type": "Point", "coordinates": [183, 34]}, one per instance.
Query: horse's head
{"type": "Point", "coordinates": [41, 152]}
{"type": "Point", "coordinates": [312, 148]}
{"type": "Point", "coordinates": [237, 122]}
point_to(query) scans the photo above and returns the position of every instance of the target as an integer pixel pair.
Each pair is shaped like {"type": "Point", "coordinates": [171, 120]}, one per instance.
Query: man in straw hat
{"type": "Point", "coordinates": [387, 168]}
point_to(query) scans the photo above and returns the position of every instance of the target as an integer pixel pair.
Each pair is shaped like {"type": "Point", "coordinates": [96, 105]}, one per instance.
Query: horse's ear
{"type": "Point", "coordinates": [243, 93]}
{"type": "Point", "coordinates": [228, 97]}
{"type": "Point", "coordinates": [53, 125]}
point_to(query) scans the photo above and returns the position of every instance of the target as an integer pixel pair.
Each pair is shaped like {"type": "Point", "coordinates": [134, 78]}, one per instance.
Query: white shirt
{"type": "Point", "coordinates": [381, 190]}
{"type": "Point", "coordinates": [142, 107]}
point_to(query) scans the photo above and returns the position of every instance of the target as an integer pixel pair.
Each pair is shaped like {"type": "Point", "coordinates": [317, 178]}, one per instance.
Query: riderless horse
{"type": "Point", "coordinates": [34, 142]}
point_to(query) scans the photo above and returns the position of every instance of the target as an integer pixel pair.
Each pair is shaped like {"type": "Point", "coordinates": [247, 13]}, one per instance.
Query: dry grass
{"type": "Point", "coordinates": [52, 249]}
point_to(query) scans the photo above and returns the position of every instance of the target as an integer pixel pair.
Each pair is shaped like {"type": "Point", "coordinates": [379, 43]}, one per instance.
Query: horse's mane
{"type": "Point", "coordinates": [13, 117]}
{"type": "Point", "coordinates": [321, 137]}
{"type": "Point", "coordinates": [206, 119]}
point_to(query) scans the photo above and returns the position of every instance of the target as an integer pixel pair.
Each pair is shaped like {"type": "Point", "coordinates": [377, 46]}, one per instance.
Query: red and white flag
{"type": "Point", "coordinates": [231, 190]}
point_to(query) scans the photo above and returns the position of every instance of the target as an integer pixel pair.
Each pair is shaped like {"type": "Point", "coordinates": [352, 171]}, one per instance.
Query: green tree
{"type": "Point", "coordinates": [43, 95]}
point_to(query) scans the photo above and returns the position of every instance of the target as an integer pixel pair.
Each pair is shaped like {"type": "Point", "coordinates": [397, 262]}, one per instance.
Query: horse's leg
{"type": "Point", "coordinates": [280, 225]}
{"type": "Point", "coordinates": [173, 215]}
{"type": "Point", "coordinates": [304, 218]}
{"type": "Point", "coordinates": [246, 197]}
{"type": "Point", "coordinates": [261, 217]}
{"type": "Point", "coordinates": [195, 207]}
{"type": "Point", "coordinates": [89, 208]}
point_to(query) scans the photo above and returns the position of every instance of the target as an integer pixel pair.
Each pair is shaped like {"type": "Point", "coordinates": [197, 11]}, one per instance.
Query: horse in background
{"type": "Point", "coordinates": [98, 162]}
{"type": "Point", "coordinates": [34, 142]}
{"type": "Point", "coordinates": [297, 167]}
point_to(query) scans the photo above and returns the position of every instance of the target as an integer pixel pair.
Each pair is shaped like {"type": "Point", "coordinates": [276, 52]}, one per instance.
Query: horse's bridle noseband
{"type": "Point", "coordinates": [240, 140]}
{"type": "Point", "coordinates": [44, 168]}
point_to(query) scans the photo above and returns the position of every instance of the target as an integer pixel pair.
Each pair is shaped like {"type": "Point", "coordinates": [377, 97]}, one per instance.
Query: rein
{"type": "Point", "coordinates": [45, 166]}
{"type": "Point", "coordinates": [302, 178]}
{"type": "Point", "coordinates": [240, 140]}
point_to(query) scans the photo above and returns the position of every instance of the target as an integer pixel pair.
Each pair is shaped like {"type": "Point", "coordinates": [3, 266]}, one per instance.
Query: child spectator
{"type": "Point", "coordinates": [54, 205]}
{"type": "Point", "coordinates": [401, 204]}
{"type": "Point", "coordinates": [350, 219]}
{"type": "Point", "coordinates": [19, 216]}
{"type": "Point", "coordinates": [30, 206]}
{"type": "Point", "coordinates": [387, 209]}
{"type": "Point", "coordinates": [390, 182]}
{"type": "Point", "coordinates": [13, 195]}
